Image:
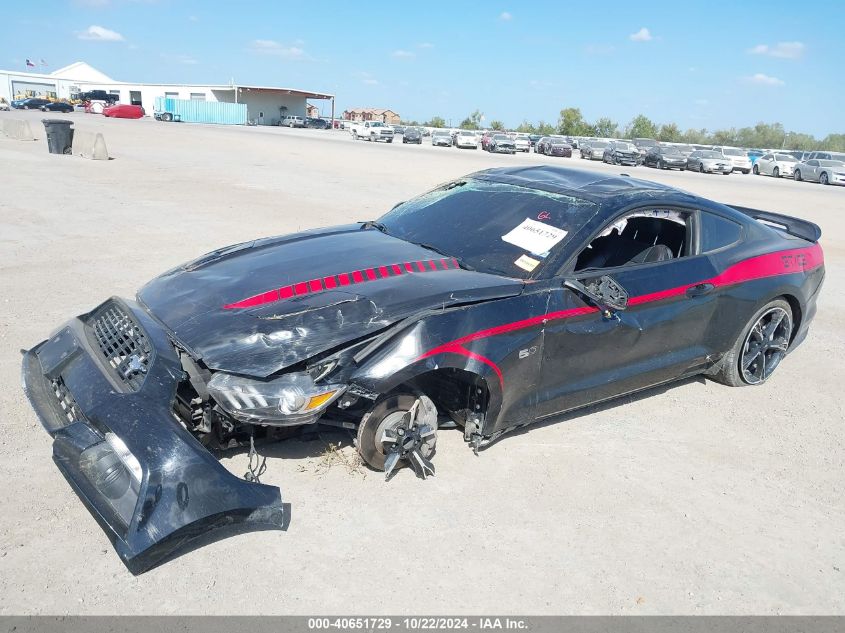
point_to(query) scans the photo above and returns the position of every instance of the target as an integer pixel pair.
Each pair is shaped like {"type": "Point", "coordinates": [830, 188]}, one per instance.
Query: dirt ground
{"type": "Point", "coordinates": [695, 498]}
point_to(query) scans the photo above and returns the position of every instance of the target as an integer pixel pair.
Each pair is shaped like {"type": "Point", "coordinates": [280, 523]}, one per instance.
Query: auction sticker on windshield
{"type": "Point", "coordinates": [535, 237]}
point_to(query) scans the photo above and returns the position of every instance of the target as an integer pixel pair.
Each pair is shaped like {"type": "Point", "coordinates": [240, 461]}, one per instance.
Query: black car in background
{"type": "Point", "coordinates": [57, 106]}
{"type": "Point", "coordinates": [558, 146]}
{"type": "Point", "coordinates": [665, 157]}
{"type": "Point", "coordinates": [621, 153]}
{"type": "Point", "coordinates": [412, 135]}
{"type": "Point", "coordinates": [97, 95]}
{"type": "Point", "coordinates": [533, 138]}
{"type": "Point", "coordinates": [32, 103]}
{"type": "Point", "coordinates": [398, 129]}
{"type": "Point", "coordinates": [316, 124]}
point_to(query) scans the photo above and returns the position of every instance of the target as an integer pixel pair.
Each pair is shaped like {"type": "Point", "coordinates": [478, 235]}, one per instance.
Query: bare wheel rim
{"type": "Point", "coordinates": [765, 346]}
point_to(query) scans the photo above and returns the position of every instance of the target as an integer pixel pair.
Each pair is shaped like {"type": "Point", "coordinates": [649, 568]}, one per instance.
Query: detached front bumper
{"type": "Point", "coordinates": [103, 387]}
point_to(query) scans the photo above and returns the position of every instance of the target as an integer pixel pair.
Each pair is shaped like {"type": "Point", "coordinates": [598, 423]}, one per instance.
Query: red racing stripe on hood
{"type": "Point", "coordinates": [351, 278]}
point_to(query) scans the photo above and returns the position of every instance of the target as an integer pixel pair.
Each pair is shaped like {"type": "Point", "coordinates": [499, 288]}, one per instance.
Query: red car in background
{"type": "Point", "coordinates": [124, 111]}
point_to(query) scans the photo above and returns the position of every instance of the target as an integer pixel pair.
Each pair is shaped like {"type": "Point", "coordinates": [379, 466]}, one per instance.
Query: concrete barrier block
{"type": "Point", "coordinates": [89, 145]}
{"type": "Point", "coordinates": [18, 129]}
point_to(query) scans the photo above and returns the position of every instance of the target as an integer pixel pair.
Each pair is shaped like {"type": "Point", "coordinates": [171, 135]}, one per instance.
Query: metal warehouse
{"type": "Point", "coordinates": [266, 105]}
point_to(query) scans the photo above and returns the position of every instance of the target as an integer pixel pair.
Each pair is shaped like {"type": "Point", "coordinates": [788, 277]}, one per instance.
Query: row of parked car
{"type": "Point", "coordinates": [820, 166]}
{"type": "Point", "coordinates": [108, 108]}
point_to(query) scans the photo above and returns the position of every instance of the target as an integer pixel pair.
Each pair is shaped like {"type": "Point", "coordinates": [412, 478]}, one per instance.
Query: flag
{"type": "Point", "coordinates": [29, 63]}
{"type": "Point", "coordinates": [43, 63]}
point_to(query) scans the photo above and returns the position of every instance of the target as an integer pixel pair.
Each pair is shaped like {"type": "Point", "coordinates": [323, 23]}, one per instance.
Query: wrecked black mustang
{"type": "Point", "coordinates": [499, 299]}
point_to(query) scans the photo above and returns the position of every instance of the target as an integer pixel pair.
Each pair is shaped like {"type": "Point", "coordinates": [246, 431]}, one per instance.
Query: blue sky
{"type": "Point", "coordinates": [726, 64]}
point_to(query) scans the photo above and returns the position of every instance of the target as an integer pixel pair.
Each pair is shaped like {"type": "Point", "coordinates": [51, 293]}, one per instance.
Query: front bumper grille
{"type": "Point", "coordinates": [66, 402]}
{"type": "Point", "coordinates": [123, 344]}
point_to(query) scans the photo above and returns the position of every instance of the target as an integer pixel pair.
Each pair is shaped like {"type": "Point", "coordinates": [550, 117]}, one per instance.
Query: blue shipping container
{"type": "Point", "coordinates": [203, 111]}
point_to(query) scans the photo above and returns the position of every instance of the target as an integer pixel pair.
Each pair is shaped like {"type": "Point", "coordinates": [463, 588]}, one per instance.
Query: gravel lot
{"type": "Point", "coordinates": [695, 498]}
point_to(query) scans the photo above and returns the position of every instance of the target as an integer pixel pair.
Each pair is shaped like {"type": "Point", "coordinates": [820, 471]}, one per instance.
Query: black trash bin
{"type": "Point", "coordinates": [59, 135]}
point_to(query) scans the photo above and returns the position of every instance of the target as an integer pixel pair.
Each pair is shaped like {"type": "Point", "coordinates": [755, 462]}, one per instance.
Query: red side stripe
{"type": "Point", "coordinates": [432, 264]}
{"type": "Point", "coordinates": [343, 278]}
{"type": "Point", "coordinates": [357, 277]}
{"type": "Point", "coordinates": [371, 274]}
{"type": "Point", "coordinates": [397, 269]}
{"type": "Point", "coordinates": [315, 285]}
{"type": "Point", "coordinates": [408, 268]}
{"type": "Point", "coordinates": [421, 267]}
{"type": "Point", "coordinates": [382, 270]}
{"type": "Point", "coordinates": [329, 282]}
{"type": "Point", "coordinates": [768, 265]}
{"type": "Point", "coordinates": [300, 288]}
{"type": "Point", "coordinates": [286, 292]}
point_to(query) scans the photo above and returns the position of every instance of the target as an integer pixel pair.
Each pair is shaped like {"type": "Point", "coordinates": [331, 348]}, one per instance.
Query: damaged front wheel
{"type": "Point", "coordinates": [399, 430]}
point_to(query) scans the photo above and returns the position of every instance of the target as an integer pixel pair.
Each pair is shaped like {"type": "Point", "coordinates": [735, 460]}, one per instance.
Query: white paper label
{"type": "Point", "coordinates": [535, 237]}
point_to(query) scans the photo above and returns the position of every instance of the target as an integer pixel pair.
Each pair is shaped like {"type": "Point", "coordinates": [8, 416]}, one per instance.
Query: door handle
{"type": "Point", "coordinates": [699, 290]}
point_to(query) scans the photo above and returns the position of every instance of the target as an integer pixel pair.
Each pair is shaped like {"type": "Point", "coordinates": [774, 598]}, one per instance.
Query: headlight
{"type": "Point", "coordinates": [290, 399]}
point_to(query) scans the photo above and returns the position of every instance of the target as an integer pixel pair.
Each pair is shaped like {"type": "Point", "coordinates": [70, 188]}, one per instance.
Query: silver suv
{"type": "Point", "coordinates": [293, 121]}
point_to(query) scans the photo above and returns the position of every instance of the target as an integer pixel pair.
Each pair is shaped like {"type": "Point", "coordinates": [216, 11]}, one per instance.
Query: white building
{"type": "Point", "coordinates": [265, 105]}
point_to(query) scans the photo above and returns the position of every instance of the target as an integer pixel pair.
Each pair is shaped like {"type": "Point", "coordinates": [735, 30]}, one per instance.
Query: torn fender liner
{"type": "Point", "coordinates": [149, 483]}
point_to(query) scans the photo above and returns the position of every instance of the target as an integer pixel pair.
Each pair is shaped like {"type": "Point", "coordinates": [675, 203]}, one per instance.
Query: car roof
{"type": "Point", "coordinates": [610, 191]}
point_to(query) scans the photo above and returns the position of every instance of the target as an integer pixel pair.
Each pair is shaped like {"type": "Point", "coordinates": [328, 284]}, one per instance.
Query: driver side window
{"type": "Point", "coordinates": [641, 237]}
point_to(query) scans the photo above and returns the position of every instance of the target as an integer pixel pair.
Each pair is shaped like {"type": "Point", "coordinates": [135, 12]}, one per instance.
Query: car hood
{"type": "Point", "coordinates": [259, 307]}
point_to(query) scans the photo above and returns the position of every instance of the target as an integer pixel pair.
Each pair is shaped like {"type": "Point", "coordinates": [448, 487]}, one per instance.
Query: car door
{"type": "Point", "coordinates": [813, 168]}
{"type": "Point", "coordinates": [591, 354]}
{"type": "Point", "coordinates": [766, 165]}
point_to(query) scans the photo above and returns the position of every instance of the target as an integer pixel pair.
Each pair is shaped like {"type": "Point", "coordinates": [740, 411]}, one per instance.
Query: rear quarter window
{"type": "Point", "coordinates": [717, 232]}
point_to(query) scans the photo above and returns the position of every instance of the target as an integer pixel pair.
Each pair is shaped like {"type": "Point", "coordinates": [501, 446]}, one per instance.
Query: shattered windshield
{"type": "Point", "coordinates": [491, 227]}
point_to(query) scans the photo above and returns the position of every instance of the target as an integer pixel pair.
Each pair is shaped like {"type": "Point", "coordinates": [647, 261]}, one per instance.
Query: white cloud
{"type": "Point", "coordinates": [369, 81]}
{"type": "Point", "coordinates": [271, 47]}
{"type": "Point", "coordinates": [400, 54]}
{"type": "Point", "coordinates": [765, 80]}
{"type": "Point", "coordinates": [100, 34]}
{"type": "Point", "coordinates": [425, 45]}
{"type": "Point", "coordinates": [643, 35]}
{"type": "Point", "coordinates": [784, 50]}
{"type": "Point", "coordinates": [505, 16]}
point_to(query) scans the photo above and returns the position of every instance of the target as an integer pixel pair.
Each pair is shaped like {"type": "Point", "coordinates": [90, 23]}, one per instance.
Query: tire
{"type": "Point", "coordinates": [700, 168]}
{"type": "Point", "coordinates": [797, 175]}
{"type": "Point", "coordinates": [367, 439]}
{"type": "Point", "coordinates": [731, 373]}
{"type": "Point", "coordinates": [746, 171]}
{"type": "Point", "coordinates": [661, 165]}
{"type": "Point", "coordinates": [390, 140]}
{"type": "Point", "coordinates": [756, 170]}
{"type": "Point", "coordinates": [167, 116]}
{"type": "Point", "coordinates": [776, 172]}
{"type": "Point", "coordinates": [823, 179]}
{"type": "Point", "coordinates": [354, 135]}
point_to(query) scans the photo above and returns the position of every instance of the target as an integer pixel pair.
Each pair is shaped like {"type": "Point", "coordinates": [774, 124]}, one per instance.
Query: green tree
{"type": "Point", "coordinates": [497, 125]}
{"type": "Point", "coordinates": [436, 121]}
{"type": "Point", "coordinates": [695, 137]}
{"type": "Point", "coordinates": [606, 128]}
{"type": "Point", "coordinates": [726, 137]}
{"type": "Point", "coordinates": [544, 129]}
{"type": "Point", "coordinates": [472, 122]}
{"type": "Point", "coordinates": [834, 142]}
{"type": "Point", "coordinates": [669, 133]}
{"type": "Point", "coordinates": [571, 123]}
{"type": "Point", "coordinates": [641, 127]}
{"type": "Point", "coordinates": [526, 128]}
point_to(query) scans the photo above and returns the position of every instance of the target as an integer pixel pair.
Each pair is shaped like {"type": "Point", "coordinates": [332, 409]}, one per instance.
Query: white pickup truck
{"type": "Point", "coordinates": [371, 131]}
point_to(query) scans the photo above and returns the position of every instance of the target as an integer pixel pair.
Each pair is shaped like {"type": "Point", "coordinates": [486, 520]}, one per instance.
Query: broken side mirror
{"type": "Point", "coordinates": [604, 292]}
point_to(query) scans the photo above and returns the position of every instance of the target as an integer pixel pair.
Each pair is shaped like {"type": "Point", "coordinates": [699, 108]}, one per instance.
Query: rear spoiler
{"type": "Point", "coordinates": [794, 226]}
